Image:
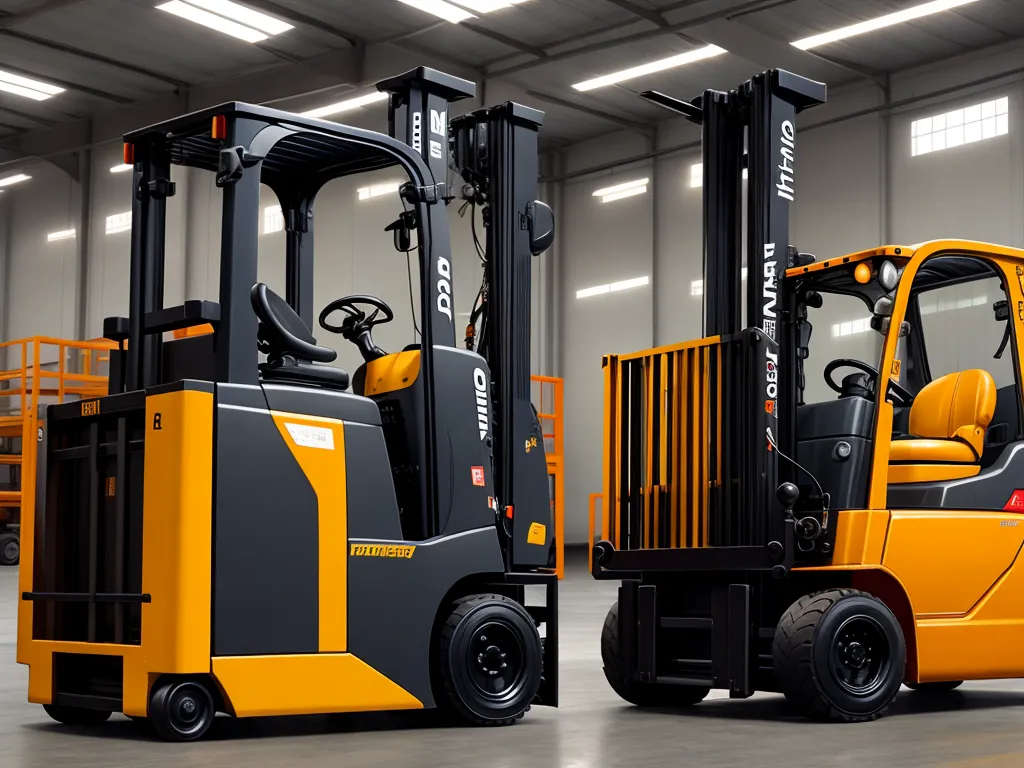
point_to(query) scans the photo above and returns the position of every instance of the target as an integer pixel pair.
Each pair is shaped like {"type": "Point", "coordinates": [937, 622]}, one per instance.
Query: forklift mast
{"type": "Point", "coordinates": [495, 150]}
{"type": "Point", "coordinates": [762, 112]}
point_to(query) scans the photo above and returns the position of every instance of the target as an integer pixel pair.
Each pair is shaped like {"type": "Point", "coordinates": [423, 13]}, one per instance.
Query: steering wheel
{"type": "Point", "coordinates": [357, 324]}
{"type": "Point", "coordinates": [856, 385]}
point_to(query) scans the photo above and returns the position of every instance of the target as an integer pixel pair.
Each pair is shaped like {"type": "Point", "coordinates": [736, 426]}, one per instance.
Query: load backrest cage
{"type": "Point", "coordinates": [694, 432]}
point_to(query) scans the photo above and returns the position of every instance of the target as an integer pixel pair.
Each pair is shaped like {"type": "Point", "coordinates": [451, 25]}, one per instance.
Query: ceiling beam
{"type": "Point", "coordinates": [288, 14]}
{"type": "Point", "coordinates": [94, 57]}
{"type": "Point", "coordinates": [8, 20]}
{"type": "Point", "coordinates": [644, 13]}
{"type": "Point", "coordinates": [504, 40]}
{"type": "Point", "coordinates": [675, 27]}
{"type": "Point", "coordinates": [769, 52]}
{"type": "Point", "coordinates": [43, 121]}
{"type": "Point", "coordinates": [622, 122]}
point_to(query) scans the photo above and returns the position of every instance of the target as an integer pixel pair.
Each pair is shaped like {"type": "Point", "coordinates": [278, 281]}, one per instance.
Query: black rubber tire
{"type": "Point", "coordinates": [10, 549]}
{"type": "Point", "coordinates": [76, 716]}
{"type": "Point", "coordinates": [943, 687]}
{"type": "Point", "coordinates": [181, 710]}
{"type": "Point", "coordinates": [636, 693]}
{"type": "Point", "coordinates": [803, 652]}
{"type": "Point", "coordinates": [461, 669]}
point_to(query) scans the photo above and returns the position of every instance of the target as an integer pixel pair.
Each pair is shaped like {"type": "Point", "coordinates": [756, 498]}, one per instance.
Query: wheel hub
{"type": "Point", "coordinates": [497, 661]}
{"type": "Point", "coordinates": [860, 656]}
{"type": "Point", "coordinates": [492, 659]}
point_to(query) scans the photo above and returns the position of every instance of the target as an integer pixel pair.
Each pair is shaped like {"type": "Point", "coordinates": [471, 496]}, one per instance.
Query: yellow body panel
{"type": "Point", "coordinates": [930, 473]}
{"type": "Point", "coordinates": [306, 685]}
{"type": "Point", "coordinates": [392, 372]}
{"type": "Point", "coordinates": [324, 467]}
{"type": "Point", "coordinates": [176, 547]}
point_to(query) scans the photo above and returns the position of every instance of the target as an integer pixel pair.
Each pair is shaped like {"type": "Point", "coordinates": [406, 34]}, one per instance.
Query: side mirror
{"type": "Point", "coordinates": [541, 224]}
{"type": "Point", "coordinates": [883, 307]}
{"type": "Point", "coordinates": [402, 229]}
{"type": "Point", "coordinates": [888, 276]}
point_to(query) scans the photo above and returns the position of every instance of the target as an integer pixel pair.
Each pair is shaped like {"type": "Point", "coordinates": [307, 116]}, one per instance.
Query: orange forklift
{"type": "Point", "coordinates": [830, 549]}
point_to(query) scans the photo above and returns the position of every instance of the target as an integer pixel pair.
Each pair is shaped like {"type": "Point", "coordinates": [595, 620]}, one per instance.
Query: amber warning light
{"type": "Point", "coordinates": [220, 127]}
{"type": "Point", "coordinates": [129, 154]}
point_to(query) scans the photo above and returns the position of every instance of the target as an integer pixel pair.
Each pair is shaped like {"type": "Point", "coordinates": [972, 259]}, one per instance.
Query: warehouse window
{"type": "Point", "coordinates": [273, 219]}
{"type": "Point", "coordinates": [961, 126]}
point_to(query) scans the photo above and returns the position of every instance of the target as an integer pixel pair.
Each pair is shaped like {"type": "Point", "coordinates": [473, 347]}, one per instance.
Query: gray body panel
{"type": "Point", "coordinates": [266, 534]}
{"type": "Point", "coordinates": [372, 508]}
{"type": "Point", "coordinates": [990, 489]}
{"type": "Point", "coordinates": [393, 602]}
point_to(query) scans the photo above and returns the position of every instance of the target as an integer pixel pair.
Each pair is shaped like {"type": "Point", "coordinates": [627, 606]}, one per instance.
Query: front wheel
{"type": "Point", "coordinates": [839, 655]}
{"type": "Point", "coordinates": [490, 658]}
{"type": "Point", "coordinates": [181, 710]}
{"type": "Point", "coordinates": [637, 693]}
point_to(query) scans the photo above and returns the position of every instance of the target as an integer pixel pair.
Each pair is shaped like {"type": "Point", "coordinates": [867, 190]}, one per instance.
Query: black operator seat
{"type": "Point", "coordinates": [292, 352]}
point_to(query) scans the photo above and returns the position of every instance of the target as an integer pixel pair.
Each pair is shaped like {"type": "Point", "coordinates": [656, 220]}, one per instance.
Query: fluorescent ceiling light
{"type": "Point", "coordinates": [64, 234]}
{"type": "Point", "coordinates": [119, 222]}
{"type": "Point", "coordinates": [689, 57]}
{"type": "Point", "coordinates": [243, 15]}
{"type": "Point", "coordinates": [486, 6]}
{"type": "Point", "coordinates": [27, 87]}
{"type": "Point", "coordinates": [622, 285]}
{"type": "Point", "coordinates": [899, 17]}
{"type": "Point", "coordinates": [621, 187]}
{"type": "Point", "coordinates": [441, 9]}
{"type": "Point", "coordinates": [7, 181]}
{"type": "Point", "coordinates": [121, 168]}
{"type": "Point", "coordinates": [697, 286]}
{"type": "Point", "coordinates": [346, 105]}
{"type": "Point", "coordinates": [379, 190]}
{"type": "Point", "coordinates": [621, 191]}
{"type": "Point", "coordinates": [227, 17]}
{"type": "Point", "coordinates": [623, 194]}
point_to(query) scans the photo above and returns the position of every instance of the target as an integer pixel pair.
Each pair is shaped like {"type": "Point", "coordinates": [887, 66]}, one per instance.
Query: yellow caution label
{"type": "Point", "coordinates": [538, 534]}
{"type": "Point", "coordinates": [382, 550]}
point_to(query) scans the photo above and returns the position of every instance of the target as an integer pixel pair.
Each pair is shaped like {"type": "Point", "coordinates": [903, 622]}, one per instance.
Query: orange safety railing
{"type": "Point", "coordinates": [594, 526]}
{"type": "Point", "coordinates": [547, 398]}
{"type": "Point", "coordinates": [40, 375]}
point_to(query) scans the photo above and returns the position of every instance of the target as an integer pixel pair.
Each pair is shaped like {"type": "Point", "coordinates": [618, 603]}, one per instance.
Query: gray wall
{"type": "Point", "coordinates": [858, 186]}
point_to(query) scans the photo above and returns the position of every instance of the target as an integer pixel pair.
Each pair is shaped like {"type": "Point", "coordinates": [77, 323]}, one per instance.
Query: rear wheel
{"type": "Point", "coordinates": [637, 693]}
{"type": "Point", "coordinates": [10, 549]}
{"type": "Point", "coordinates": [839, 655]}
{"type": "Point", "coordinates": [943, 687]}
{"type": "Point", "coordinates": [76, 715]}
{"type": "Point", "coordinates": [490, 658]}
{"type": "Point", "coordinates": [181, 710]}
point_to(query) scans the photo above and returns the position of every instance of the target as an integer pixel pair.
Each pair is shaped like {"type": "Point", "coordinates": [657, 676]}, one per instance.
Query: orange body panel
{"type": "Point", "coordinates": [949, 560]}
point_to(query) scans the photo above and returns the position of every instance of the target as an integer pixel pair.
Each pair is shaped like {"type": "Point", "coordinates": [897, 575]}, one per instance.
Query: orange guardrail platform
{"type": "Point", "coordinates": [40, 370]}
{"type": "Point", "coordinates": [547, 397]}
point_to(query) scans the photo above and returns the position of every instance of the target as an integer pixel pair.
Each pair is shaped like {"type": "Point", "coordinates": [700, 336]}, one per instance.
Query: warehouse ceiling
{"type": "Point", "coordinates": [122, 62]}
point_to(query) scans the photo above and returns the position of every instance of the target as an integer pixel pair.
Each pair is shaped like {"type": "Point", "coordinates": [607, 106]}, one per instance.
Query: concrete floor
{"type": "Point", "coordinates": [978, 727]}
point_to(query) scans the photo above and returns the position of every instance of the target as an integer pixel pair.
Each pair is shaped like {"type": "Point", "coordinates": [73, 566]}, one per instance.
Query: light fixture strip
{"type": "Point", "coordinates": [621, 187]}
{"type": "Point", "coordinates": [64, 234]}
{"type": "Point", "coordinates": [441, 9]}
{"type": "Point", "coordinates": [26, 86]}
{"type": "Point", "coordinates": [873, 25]}
{"type": "Point", "coordinates": [212, 21]}
{"type": "Point", "coordinates": [15, 179]}
{"type": "Point", "coordinates": [622, 285]}
{"type": "Point", "coordinates": [345, 106]}
{"type": "Point", "coordinates": [660, 65]}
{"type": "Point", "coordinates": [123, 168]}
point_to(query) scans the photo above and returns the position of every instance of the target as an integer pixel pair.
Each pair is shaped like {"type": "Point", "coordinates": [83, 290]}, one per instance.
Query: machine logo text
{"type": "Point", "coordinates": [444, 287]}
{"type": "Point", "coordinates": [382, 550]}
{"type": "Point", "coordinates": [482, 405]}
{"type": "Point", "coordinates": [785, 185]}
{"type": "Point", "coordinates": [769, 293]}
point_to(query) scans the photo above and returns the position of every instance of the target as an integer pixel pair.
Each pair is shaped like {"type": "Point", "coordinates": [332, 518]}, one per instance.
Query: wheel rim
{"type": "Point", "coordinates": [861, 656]}
{"type": "Point", "coordinates": [11, 549]}
{"type": "Point", "coordinates": [189, 709]}
{"type": "Point", "coordinates": [497, 662]}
